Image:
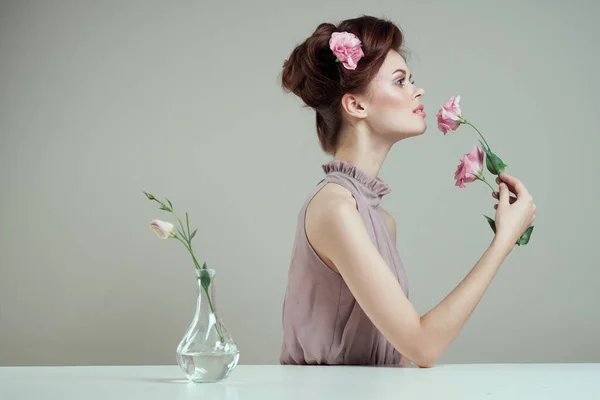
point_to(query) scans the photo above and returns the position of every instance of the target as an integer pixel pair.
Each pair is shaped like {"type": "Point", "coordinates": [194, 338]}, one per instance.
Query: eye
{"type": "Point", "coordinates": [403, 81]}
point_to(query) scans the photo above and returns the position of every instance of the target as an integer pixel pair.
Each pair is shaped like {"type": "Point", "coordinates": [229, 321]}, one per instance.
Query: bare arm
{"type": "Point", "coordinates": [391, 225]}
{"type": "Point", "coordinates": [340, 235]}
{"type": "Point", "coordinates": [443, 322]}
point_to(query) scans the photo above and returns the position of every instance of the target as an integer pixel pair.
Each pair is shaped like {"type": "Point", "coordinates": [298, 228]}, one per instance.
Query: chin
{"type": "Point", "coordinates": [416, 132]}
{"type": "Point", "coordinates": [405, 133]}
{"type": "Point", "coordinates": [421, 130]}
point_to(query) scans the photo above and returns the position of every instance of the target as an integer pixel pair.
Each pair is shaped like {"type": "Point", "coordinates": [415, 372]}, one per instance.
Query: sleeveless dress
{"type": "Point", "coordinates": [323, 324]}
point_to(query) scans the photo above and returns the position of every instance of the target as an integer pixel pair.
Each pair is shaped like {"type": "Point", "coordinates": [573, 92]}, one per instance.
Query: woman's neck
{"type": "Point", "coordinates": [361, 150]}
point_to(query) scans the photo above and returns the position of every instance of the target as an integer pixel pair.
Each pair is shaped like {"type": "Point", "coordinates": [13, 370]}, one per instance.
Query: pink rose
{"type": "Point", "coordinates": [449, 117]}
{"type": "Point", "coordinates": [163, 230]}
{"type": "Point", "coordinates": [470, 167]}
{"type": "Point", "coordinates": [347, 48]}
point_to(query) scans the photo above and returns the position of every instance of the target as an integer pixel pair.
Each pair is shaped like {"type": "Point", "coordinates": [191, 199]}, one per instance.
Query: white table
{"type": "Point", "coordinates": [442, 382]}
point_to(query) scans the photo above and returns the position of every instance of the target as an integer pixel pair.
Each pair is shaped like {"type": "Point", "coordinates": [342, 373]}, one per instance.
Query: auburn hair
{"type": "Point", "coordinates": [312, 73]}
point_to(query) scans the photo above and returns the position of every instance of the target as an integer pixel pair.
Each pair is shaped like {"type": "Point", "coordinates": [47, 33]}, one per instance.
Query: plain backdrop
{"type": "Point", "coordinates": [102, 100]}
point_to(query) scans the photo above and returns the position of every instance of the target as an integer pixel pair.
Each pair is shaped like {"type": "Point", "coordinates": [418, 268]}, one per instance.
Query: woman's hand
{"type": "Point", "coordinates": [514, 214]}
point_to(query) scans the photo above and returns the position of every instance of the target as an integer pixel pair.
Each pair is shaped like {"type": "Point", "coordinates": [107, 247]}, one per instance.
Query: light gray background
{"type": "Point", "coordinates": [101, 100]}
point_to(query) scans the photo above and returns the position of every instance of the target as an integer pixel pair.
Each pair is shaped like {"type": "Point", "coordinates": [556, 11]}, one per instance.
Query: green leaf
{"type": "Point", "coordinates": [524, 239]}
{"type": "Point", "coordinates": [187, 222]}
{"type": "Point", "coordinates": [181, 233]}
{"type": "Point", "coordinates": [493, 163]}
{"type": "Point", "coordinates": [169, 201]}
{"type": "Point", "coordinates": [484, 147]}
{"type": "Point", "coordinates": [165, 208]}
{"type": "Point", "coordinates": [205, 279]}
{"type": "Point", "coordinates": [193, 234]}
{"type": "Point", "coordinates": [491, 222]}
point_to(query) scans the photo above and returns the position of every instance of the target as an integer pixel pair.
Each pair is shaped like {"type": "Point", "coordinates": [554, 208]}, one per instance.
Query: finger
{"type": "Point", "coordinates": [510, 187]}
{"type": "Point", "coordinates": [503, 194]}
{"type": "Point", "coordinates": [515, 184]}
{"type": "Point", "coordinates": [511, 199]}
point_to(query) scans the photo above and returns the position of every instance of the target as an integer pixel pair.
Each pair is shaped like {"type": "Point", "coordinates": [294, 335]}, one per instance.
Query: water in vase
{"type": "Point", "coordinates": [208, 367]}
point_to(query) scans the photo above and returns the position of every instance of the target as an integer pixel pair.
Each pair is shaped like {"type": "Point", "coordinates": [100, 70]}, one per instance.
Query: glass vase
{"type": "Point", "coordinates": [207, 352]}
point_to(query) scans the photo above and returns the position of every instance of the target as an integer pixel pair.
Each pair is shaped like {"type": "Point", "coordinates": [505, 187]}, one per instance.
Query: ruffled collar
{"type": "Point", "coordinates": [374, 186]}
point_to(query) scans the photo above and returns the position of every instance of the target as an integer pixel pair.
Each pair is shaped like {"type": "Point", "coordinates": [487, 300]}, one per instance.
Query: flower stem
{"type": "Point", "coordinates": [489, 150]}
{"type": "Point", "coordinates": [188, 245]}
{"type": "Point", "coordinates": [212, 310]}
{"type": "Point", "coordinates": [189, 248]}
{"type": "Point", "coordinates": [470, 124]}
{"type": "Point", "coordinates": [181, 224]}
{"type": "Point", "coordinates": [487, 183]}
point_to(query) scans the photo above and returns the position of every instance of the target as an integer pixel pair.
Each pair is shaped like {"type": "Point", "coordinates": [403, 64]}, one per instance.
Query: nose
{"type": "Point", "coordinates": [420, 92]}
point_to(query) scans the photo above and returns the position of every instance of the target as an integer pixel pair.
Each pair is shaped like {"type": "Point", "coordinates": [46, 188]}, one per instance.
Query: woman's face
{"type": "Point", "coordinates": [393, 107]}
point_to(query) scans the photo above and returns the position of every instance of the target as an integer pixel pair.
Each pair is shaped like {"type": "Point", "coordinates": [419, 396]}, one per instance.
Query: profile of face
{"type": "Point", "coordinates": [392, 106]}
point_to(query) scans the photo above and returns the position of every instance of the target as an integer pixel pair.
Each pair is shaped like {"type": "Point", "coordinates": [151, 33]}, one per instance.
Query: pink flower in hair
{"type": "Point", "coordinates": [347, 48]}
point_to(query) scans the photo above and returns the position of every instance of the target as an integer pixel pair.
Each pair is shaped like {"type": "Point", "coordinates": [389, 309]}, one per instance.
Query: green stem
{"type": "Point", "coordinates": [186, 241]}
{"type": "Point", "coordinates": [470, 124]}
{"type": "Point", "coordinates": [464, 121]}
{"type": "Point", "coordinates": [487, 183]}
{"type": "Point", "coordinates": [181, 224]}
{"type": "Point", "coordinates": [212, 309]}
{"type": "Point", "coordinates": [210, 304]}
{"type": "Point", "coordinates": [189, 248]}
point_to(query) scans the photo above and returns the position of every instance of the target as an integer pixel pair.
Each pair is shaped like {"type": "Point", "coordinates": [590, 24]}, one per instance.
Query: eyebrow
{"type": "Point", "coordinates": [401, 70]}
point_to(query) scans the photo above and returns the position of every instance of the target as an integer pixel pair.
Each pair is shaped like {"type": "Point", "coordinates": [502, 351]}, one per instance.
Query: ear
{"type": "Point", "coordinates": [355, 105]}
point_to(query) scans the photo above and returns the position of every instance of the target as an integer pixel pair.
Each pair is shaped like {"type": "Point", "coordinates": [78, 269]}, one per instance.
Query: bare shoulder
{"type": "Point", "coordinates": [331, 195]}
{"type": "Point", "coordinates": [329, 201]}
{"type": "Point", "coordinates": [391, 223]}
{"type": "Point", "coordinates": [324, 214]}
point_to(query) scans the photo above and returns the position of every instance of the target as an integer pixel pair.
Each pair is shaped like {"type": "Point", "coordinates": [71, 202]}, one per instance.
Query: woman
{"type": "Point", "coordinates": [347, 297]}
